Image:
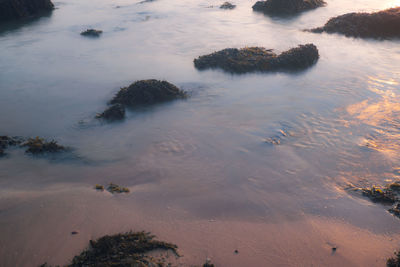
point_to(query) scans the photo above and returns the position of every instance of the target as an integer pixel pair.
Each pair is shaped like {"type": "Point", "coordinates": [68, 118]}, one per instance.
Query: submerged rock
{"type": "Point", "coordinates": [92, 33]}
{"type": "Point", "coordinates": [114, 112]}
{"type": "Point", "coordinates": [252, 59]}
{"type": "Point", "coordinates": [127, 249]}
{"type": "Point", "coordinates": [147, 92]}
{"type": "Point", "coordinates": [286, 7]}
{"type": "Point", "coordinates": [227, 5]}
{"type": "Point", "coordinates": [40, 146]}
{"type": "Point", "coordinates": [18, 9]}
{"type": "Point", "coordinates": [2, 153]}
{"type": "Point", "coordinates": [383, 24]}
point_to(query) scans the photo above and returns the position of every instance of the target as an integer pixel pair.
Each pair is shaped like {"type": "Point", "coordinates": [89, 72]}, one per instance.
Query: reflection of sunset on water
{"type": "Point", "coordinates": [382, 114]}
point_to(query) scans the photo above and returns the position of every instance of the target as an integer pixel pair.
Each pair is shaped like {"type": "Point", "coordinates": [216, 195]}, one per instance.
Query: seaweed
{"type": "Point", "coordinates": [286, 7]}
{"type": "Point", "coordinates": [99, 187]}
{"type": "Point", "coordinates": [395, 261]}
{"type": "Point", "coordinates": [382, 195]}
{"type": "Point", "coordinates": [127, 249]}
{"type": "Point", "coordinates": [379, 25]}
{"type": "Point", "coordinates": [114, 188]}
{"type": "Point", "coordinates": [252, 59]}
{"type": "Point", "coordinates": [92, 33]}
{"type": "Point", "coordinates": [227, 5]}
{"type": "Point", "coordinates": [40, 146]}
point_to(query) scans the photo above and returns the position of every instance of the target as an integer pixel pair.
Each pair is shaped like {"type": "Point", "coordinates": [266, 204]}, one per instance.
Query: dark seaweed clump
{"type": "Point", "coordinates": [252, 59]}
{"type": "Point", "coordinates": [395, 261]}
{"type": "Point", "coordinates": [227, 5]}
{"type": "Point", "coordinates": [124, 250]}
{"type": "Point", "coordinates": [380, 25]}
{"type": "Point", "coordinates": [114, 112]}
{"type": "Point", "coordinates": [92, 33]}
{"type": "Point", "coordinates": [114, 188]}
{"type": "Point", "coordinates": [286, 7]}
{"type": "Point", "coordinates": [387, 195]}
{"type": "Point", "coordinates": [40, 146]}
{"type": "Point", "coordinates": [147, 92]}
{"type": "Point", "coordinates": [382, 195]}
{"type": "Point", "coordinates": [18, 9]}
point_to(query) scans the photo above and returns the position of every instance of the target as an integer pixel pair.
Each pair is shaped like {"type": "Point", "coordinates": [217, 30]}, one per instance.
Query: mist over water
{"type": "Point", "coordinates": [203, 172]}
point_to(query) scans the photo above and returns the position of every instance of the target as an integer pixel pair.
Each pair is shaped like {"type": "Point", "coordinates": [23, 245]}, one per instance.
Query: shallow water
{"type": "Point", "coordinates": [202, 172]}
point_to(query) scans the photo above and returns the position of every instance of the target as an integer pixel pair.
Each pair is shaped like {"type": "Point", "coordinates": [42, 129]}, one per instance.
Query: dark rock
{"type": "Point", "coordinates": [286, 7]}
{"type": "Point", "coordinates": [92, 33]}
{"type": "Point", "coordinates": [2, 153]}
{"type": "Point", "coordinates": [18, 9]}
{"type": "Point", "coordinates": [40, 146]}
{"type": "Point", "coordinates": [383, 24]}
{"type": "Point", "coordinates": [123, 250]}
{"type": "Point", "coordinates": [74, 232]}
{"type": "Point", "coordinates": [252, 59]}
{"type": "Point", "coordinates": [227, 5]}
{"type": "Point", "coordinates": [114, 112]}
{"type": "Point", "coordinates": [147, 92]}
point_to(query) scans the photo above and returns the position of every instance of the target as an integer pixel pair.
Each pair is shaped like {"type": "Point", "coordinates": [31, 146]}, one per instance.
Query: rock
{"type": "Point", "coordinates": [395, 210]}
{"type": "Point", "coordinates": [74, 232]}
{"type": "Point", "coordinates": [114, 112]}
{"type": "Point", "coordinates": [253, 59]}
{"type": "Point", "coordinates": [2, 153]}
{"type": "Point", "coordinates": [18, 9]}
{"type": "Point", "coordinates": [380, 25]}
{"type": "Point", "coordinates": [40, 146]}
{"type": "Point", "coordinates": [92, 33]}
{"type": "Point", "coordinates": [147, 92]}
{"type": "Point", "coordinates": [128, 249]}
{"type": "Point", "coordinates": [286, 7]}
{"type": "Point", "coordinates": [227, 5]}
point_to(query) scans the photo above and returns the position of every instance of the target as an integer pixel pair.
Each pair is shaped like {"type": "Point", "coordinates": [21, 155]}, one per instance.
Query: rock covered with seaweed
{"type": "Point", "coordinates": [18, 9]}
{"type": "Point", "coordinates": [92, 33]}
{"type": "Point", "coordinates": [128, 249]}
{"type": "Point", "coordinates": [286, 7]}
{"type": "Point", "coordinates": [112, 113]}
{"type": "Point", "coordinates": [383, 24]}
{"type": "Point", "coordinates": [227, 5]}
{"type": "Point", "coordinates": [34, 146]}
{"type": "Point", "coordinates": [147, 92]}
{"type": "Point", "coordinates": [140, 94]}
{"type": "Point", "coordinates": [253, 59]}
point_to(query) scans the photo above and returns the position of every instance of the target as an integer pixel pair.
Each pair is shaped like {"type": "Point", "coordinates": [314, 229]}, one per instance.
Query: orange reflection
{"type": "Point", "coordinates": [383, 114]}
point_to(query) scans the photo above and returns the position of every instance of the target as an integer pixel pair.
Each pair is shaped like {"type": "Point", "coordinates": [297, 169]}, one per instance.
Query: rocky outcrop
{"type": "Point", "coordinates": [383, 24]}
{"type": "Point", "coordinates": [18, 9]}
{"type": "Point", "coordinates": [286, 7]}
{"type": "Point", "coordinates": [259, 59]}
